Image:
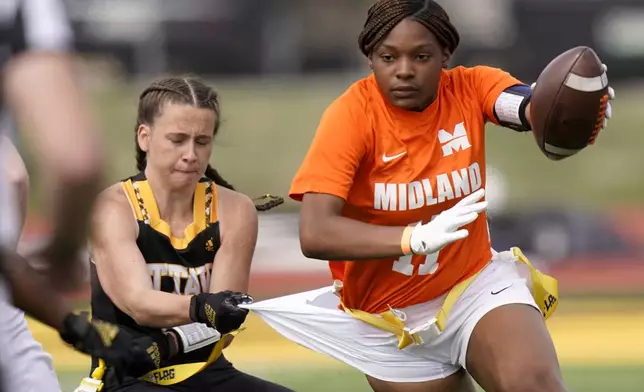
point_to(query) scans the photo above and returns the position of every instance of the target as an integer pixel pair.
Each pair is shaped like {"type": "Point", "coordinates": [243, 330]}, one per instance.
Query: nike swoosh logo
{"type": "Point", "coordinates": [386, 159]}
{"type": "Point", "coordinates": [503, 289]}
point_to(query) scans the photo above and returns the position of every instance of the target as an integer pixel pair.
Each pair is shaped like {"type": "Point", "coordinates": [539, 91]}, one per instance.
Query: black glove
{"type": "Point", "coordinates": [220, 311]}
{"type": "Point", "coordinates": [148, 351]}
{"type": "Point", "coordinates": [100, 339]}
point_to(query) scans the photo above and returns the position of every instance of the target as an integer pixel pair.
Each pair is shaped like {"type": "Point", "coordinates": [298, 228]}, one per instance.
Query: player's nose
{"type": "Point", "coordinates": [405, 69]}
{"type": "Point", "coordinates": [190, 155]}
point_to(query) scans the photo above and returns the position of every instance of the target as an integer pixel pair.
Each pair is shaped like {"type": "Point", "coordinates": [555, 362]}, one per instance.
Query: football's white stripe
{"type": "Point", "coordinates": [581, 83]}
{"type": "Point", "coordinates": [560, 150]}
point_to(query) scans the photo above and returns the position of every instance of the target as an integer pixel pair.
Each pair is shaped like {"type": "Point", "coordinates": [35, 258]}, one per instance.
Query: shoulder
{"type": "Point", "coordinates": [477, 76]}
{"type": "Point", "coordinates": [112, 210]}
{"type": "Point", "coordinates": [235, 204]}
{"type": "Point", "coordinates": [236, 212]}
{"type": "Point", "coordinates": [112, 197]}
{"type": "Point", "coordinates": [354, 102]}
{"type": "Point", "coordinates": [462, 72]}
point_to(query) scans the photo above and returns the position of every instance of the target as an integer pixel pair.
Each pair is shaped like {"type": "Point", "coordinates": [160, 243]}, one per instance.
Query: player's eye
{"type": "Point", "coordinates": [176, 139]}
{"type": "Point", "coordinates": [424, 57]}
{"type": "Point", "coordinates": [387, 58]}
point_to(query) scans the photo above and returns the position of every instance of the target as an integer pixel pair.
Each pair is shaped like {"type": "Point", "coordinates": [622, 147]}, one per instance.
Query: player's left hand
{"type": "Point", "coordinates": [220, 310]}
{"type": "Point", "coordinates": [608, 110]}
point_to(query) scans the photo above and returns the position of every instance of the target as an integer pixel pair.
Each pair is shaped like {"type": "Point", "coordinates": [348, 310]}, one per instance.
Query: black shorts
{"type": "Point", "coordinates": [220, 376]}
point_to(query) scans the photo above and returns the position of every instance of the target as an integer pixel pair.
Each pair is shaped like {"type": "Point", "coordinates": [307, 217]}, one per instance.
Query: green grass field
{"type": "Point", "coordinates": [579, 379]}
{"type": "Point", "coordinates": [599, 344]}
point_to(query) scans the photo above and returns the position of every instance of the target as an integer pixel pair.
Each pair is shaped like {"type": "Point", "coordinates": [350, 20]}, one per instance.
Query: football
{"type": "Point", "coordinates": [568, 103]}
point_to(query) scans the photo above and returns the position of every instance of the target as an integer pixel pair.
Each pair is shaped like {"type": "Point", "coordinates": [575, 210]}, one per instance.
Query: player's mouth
{"type": "Point", "coordinates": [404, 91]}
{"type": "Point", "coordinates": [186, 172]}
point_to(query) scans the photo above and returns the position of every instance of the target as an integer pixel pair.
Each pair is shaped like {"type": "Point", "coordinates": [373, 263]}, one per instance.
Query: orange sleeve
{"type": "Point", "coordinates": [489, 83]}
{"type": "Point", "coordinates": [335, 153]}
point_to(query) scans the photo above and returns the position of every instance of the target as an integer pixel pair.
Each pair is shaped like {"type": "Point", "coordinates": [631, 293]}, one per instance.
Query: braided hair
{"type": "Point", "coordinates": [384, 15]}
{"type": "Point", "coordinates": [183, 90]}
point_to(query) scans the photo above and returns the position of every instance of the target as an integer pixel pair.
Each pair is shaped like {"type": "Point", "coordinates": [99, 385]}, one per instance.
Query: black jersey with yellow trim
{"type": "Point", "coordinates": [176, 265]}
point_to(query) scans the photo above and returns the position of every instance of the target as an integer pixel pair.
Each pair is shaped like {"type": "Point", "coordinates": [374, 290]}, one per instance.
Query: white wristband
{"type": "Point", "coordinates": [196, 335]}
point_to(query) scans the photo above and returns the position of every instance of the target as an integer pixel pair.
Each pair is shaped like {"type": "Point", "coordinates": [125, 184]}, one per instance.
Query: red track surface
{"type": "Point", "coordinates": [576, 276]}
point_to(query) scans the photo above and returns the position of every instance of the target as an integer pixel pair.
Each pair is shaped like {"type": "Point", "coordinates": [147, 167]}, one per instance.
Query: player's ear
{"type": "Point", "coordinates": [370, 62]}
{"type": "Point", "coordinates": [143, 137]}
{"type": "Point", "coordinates": [446, 56]}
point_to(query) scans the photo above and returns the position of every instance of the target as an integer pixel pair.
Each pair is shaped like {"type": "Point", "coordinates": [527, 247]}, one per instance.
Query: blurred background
{"type": "Point", "coordinates": [277, 64]}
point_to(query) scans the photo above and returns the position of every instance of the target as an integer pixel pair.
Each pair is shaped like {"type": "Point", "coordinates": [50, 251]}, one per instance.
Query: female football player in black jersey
{"type": "Point", "coordinates": [172, 246]}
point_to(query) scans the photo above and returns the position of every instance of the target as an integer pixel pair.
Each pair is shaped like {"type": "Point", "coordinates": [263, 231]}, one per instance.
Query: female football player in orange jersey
{"type": "Point", "coordinates": [392, 192]}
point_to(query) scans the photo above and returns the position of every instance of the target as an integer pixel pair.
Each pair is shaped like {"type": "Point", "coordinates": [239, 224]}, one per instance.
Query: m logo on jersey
{"type": "Point", "coordinates": [456, 141]}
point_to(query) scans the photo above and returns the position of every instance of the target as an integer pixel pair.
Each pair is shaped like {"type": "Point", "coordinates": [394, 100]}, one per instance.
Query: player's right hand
{"type": "Point", "coordinates": [444, 229]}
{"type": "Point", "coordinates": [221, 310]}
{"type": "Point", "coordinates": [100, 339]}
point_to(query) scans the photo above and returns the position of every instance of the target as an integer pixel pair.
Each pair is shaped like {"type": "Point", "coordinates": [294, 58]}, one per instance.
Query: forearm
{"type": "Point", "coordinates": [157, 309]}
{"type": "Point", "coordinates": [340, 238]}
{"type": "Point", "coordinates": [29, 289]}
{"type": "Point", "coordinates": [56, 117]}
{"type": "Point", "coordinates": [72, 201]}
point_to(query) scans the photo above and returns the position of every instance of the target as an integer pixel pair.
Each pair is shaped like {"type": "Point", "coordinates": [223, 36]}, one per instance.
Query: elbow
{"type": "Point", "coordinates": [18, 178]}
{"type": "Point", "coordinates": [134, 307]}
{"type": "Point", "coordinates": [311, 241]}
{"type": "Point", "coordinates": [141, 316]}
{"type": "Point", "coordinates": [310, 251]}
{"type": "Point", "coordinates": [14, 169]}
{"type": "Point", "coordinates": [137, 314]}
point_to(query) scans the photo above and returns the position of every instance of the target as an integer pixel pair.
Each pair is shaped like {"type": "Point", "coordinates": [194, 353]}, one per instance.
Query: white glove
{"type": "Point", "coordinates": [611, 96]}
{"type": "Point", "coordinates": [443, 230]}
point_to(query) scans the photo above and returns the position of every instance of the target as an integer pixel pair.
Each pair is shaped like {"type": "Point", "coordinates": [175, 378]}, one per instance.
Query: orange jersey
{"type": "Point", "coordinates": [395, 168]}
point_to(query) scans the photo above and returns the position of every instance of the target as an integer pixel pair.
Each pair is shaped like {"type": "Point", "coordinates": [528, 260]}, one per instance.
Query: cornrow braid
{"type": "Point", "coordinates": [184, 90]}
{"type": "Point", "coordinates": [384, 15]}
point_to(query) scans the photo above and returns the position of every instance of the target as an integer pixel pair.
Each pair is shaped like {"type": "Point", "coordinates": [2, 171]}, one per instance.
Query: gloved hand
{"type": "Point", "coordinates": [99, 339]}
{"type": "Point", "coordinates": [611, 96]}
{"type": "Point", "coordinates": [433, 236]}
{"type": "Point", "coordinates": [148, 351]}
{"type": "Point", "coordinates": [221, 310]}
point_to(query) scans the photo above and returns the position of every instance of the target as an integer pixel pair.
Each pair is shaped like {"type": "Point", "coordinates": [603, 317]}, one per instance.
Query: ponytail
{"type": "Point", "coordinates": [141, 158]}
{"type": "Point", "coordinates": [212, 174]}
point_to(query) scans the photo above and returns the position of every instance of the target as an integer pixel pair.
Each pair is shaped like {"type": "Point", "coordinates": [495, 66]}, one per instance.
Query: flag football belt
{"type": "Point", "coordinates": [545, 292]}
{"type": "Point", "coordinates": [168, 375]}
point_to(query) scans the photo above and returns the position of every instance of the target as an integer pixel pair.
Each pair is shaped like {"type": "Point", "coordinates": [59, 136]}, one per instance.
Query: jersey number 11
{"type": "Point", "coordinates": [429, 265]}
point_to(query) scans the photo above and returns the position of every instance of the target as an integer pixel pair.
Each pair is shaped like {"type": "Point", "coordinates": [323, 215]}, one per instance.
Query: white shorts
{"type": "Point", "coordinates": [313, 320]}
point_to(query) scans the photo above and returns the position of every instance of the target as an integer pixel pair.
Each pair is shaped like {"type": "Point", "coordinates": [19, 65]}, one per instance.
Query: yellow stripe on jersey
{"type": "Point", "coordinates": [143, 191]}
{"type": "Point", "coordinates": [214, 205]}
{"type": "Point", "coordinates": [199, 215]}
{"type": "Point", "coordinates": [131, 196]}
